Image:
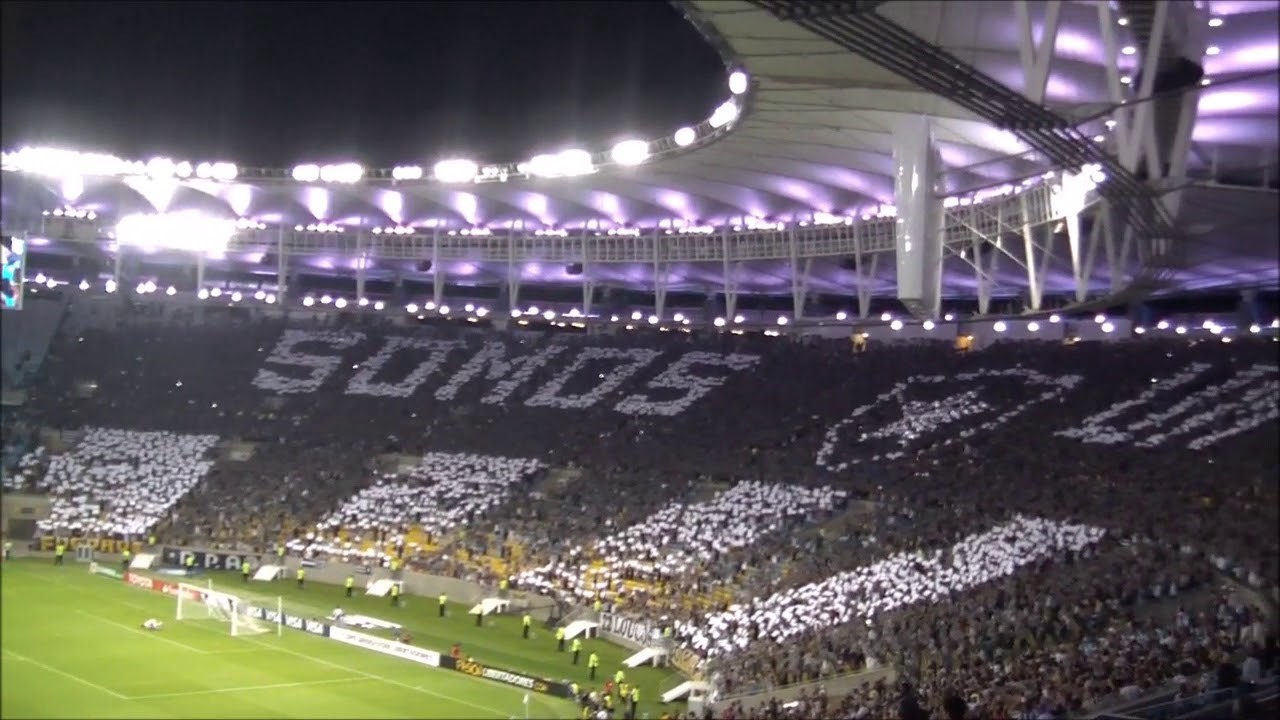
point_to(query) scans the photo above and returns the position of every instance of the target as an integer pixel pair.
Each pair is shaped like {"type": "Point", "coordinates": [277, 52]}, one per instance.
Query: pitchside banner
{"type": "Point", "coordinates": [208, 560]}
{"type": "Point", "coordinates": [507, 677]}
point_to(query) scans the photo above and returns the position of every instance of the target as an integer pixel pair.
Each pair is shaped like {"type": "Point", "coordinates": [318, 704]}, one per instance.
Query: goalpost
{"type": "Point", "coordinates": [205, 603]}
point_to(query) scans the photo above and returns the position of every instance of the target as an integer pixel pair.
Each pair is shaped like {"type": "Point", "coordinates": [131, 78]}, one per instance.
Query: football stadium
{"type": "Point", "coordinates": [931, 372]}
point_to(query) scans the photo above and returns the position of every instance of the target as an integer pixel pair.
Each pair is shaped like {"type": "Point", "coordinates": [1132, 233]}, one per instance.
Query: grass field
{"type": "Point", "coordinates": [73, 647]}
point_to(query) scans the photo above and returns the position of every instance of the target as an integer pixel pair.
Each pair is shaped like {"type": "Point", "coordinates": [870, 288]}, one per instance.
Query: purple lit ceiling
{"type": "Point", "coordinates": [817, 138]}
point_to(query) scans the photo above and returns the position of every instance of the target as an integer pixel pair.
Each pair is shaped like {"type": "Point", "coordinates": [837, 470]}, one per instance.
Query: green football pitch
{"type": "Point", "coordinates": [73, 647]}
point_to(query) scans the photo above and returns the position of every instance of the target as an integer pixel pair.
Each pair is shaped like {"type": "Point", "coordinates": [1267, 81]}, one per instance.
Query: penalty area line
{"type": "Point", "coordinates": [251, 688]}
{"type": "Point", "coordinates": [70, 676]}
{"type": "Point", "coordinates": [147, 634]}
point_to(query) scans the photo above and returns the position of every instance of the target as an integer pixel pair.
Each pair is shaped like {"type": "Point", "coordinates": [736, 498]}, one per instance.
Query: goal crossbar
{"type": "Point", "coordinates": [245, 616]}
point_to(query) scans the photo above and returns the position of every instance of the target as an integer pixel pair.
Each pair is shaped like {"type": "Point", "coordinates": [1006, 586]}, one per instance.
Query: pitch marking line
{"type": "Point", "coordinates": [497, 712]}
{"type": "Point", "coordinates": [150, 634]}
{"type": "Point", "coordinates": [70, 676]}
{"type": "Point", "coordinates": [250, 688]}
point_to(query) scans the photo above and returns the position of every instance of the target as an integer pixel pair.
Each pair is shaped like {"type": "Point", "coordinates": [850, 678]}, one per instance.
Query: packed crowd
{"type": "Point", "coordinates": [1064, 500]}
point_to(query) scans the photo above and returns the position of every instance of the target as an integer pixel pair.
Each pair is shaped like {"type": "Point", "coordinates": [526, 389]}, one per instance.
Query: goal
{"type": "Point", "coordinates": [245, 617]}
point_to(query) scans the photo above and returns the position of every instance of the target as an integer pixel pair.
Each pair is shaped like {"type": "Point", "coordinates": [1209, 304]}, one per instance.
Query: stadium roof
{"type": "Point", "coordinates": [798, 175]}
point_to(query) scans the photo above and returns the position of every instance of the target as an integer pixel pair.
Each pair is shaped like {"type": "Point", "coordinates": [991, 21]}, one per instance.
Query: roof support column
{"type": "Point", "coordinates": [282, 268]}
{"type": "Point", "coordinates": [986, 261]}
{"type": "Point", "coordinates": [1037, 54]}
{"type": "Point", "coordinates": [116, 266]}
{"type": "Point", "coordinates": [437, 272]}
{"type": "Point", "coordinates": [361, 260]}
{"type": "Point", "coordinates": [660, 268]}
{"type": "Point", "coordinates": [800, 270]}
{"type": "Point", "coordinates": [1038, 256]}
{"type": "Point", "coordinates": [513, 274]}
{"type": "Point", "coordinates": [730, 278]}
{"type": "Point", "coordinates": [918, 229]}
{"type": "Point", "coordinates": [864, 273]}
{"type": "Point", "coordinates": [588, 282]}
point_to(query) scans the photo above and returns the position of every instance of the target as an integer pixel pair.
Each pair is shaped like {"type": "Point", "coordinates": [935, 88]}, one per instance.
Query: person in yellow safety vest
{"type": "Point", "coordinates": [608, 703]}
{"type": "Point", "coordinates": [503, 585]}
{"type": "Point", "coordinates": [58, 552]}
{"type": "Point", "coordinates": [191, 563]}
{"type": "Point", "coordinates": [593, 662]}
{"type": "Point", "coordinates": [395, 594]}
{"type": "Point", "coordinates": [666, 632]}
{"type": "Point", "coordinates": [280, 558]}
{"type": "Point", "coordinates": [302, 576]}
{"type": "Point", "coordinates": [577, 649]}
{"type": "Point", "coordinates": [635, 700]}
{"type": "Point", "coordinates": [444, 600]}
{"type": "Point", "coordinates": [573, 690]}
{"type": "Point", "coordinates": [619, 678]}
{"type": "Point", "coordinates": [559, 639]}
{"type": "Point", "coordinates": [350, 585]}
{"type": "Point", "coordinates": [245, 569]}
{"type": "Point", "coordinates": [586, 712]}
{"type": "Point", "coordinates": [151, 540]}
{"type": "Point", "coordinates": [525, 623]}
{"type": "Point", "coordinates": [125, 556]}
{"type": "Point", "coordinates": [395, 565]}
{"type": "Point", "coordinates": [623, 690]}
{"type": "Point", "coordinates": [597, 605]}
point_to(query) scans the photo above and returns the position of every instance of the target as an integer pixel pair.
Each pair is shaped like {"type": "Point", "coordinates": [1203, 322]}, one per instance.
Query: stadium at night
{"type": "Point", "coordinates": [1088, 154]}
{"type": "Point", "coordinates": [905, 359]}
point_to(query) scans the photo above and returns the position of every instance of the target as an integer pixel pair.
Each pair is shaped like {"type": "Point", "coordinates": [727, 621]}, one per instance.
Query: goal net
{"type": "Point", "coordinates": [254, 616]}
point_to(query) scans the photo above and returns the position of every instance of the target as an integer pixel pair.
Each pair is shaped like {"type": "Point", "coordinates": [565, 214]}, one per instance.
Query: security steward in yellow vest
{"type": "Point", "coordinates": [302, 577]}
{"type": "Point", "coordinates": [608, 703]}
{"type": "Point", "coordinates": [395, 594]}
{"type": "Point", "coordinates": [244, 570]}
{"type": "Point", "coordinates": [125, 557]}
{"type": "Point", "coordinates": [593, 662]}
{"type": "Point", "coordinates": [444, 600]}
{"type": "Point", "coordinates": [623, 691]}
{"type": "Point", "coordinates": [349, 585]}
{"type": "Point", "coordinates": [597, 606]}
{"type": "Point", "coordinates": [58, 552]}
{"type": "Point", "coordinates": [191, 563]}
{"type": "Point", "coordinates": [619, 678]}
{"type": "Point", "coordinates": [635, 700]}
{"type": "Point", "coordinates": [577, 649]}
{"type": "Point", "coordinates": [559, 639]}
{"type": "Point", "coordinates": [525, 623]}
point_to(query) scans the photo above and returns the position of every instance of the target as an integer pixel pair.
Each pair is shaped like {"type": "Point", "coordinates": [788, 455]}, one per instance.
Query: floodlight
{"type": "Point", "coordinates": [160, 168]}
{"type": "Point", "coordinates": [782, 319]}
{"type": "Point", "coordinates": [406, 172]}
{"type": "Point", "coordinates": [630, 152]}
{"type": "Point", "coordinates": [187, 231]}
{"type": "Point", "coordinates": [343, 173]}
{"type": "Point", "coordinates": [685, 136]}
{"type": "Point", "coordinates": [999, 326]}
{"type": "Point", "coordinates": [1033, 326]}
{"type": "Point", "coordinates": [725, 114]}
{"type": "Point", "coordinates": [306, 173]}
{"type": "Point", "coordinates": [719, 322]}
{"type": "Point", "coordinates": [927, 325]}
{"type": "Point", "coordinates": [737, 82]}
{"type": "Point", "coordinates": [842, 315]}
{"type": "Point", "coordinates": [225, 171]}
{"type": "Point", "coordinates": [455, 171]}
{"type": "Point", "coordinates": [202, 293]}
{"type": "Point", "coordinates": [182, 169]}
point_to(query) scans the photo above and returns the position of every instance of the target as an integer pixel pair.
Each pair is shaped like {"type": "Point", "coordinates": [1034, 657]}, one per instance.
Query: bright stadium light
{"type": "Point", "coordinates": [342, 173]}
{"type": "Point", "coordinates": [685, 137]}
{"type": "Point", "coordinates": [53, 162]}
{"type": "Point", "coordinates": [725, 114]}
{"type": "Point", "coordinates": [306, 173]}
{"type": "Point", "coordinates": [737, 82]}
{"type": "Point", "coordinates": [630, 152]}
{"type": "Point", "coordinates": [455, 171]}
{"type": "Point", "coordinates": [566, 163]}
{"type": "Point", "coordinates": [186, 231]}
{"type": "Point", "coordinates": [161, 168]}
{"type": "Point", "coordinates": [406, 172]}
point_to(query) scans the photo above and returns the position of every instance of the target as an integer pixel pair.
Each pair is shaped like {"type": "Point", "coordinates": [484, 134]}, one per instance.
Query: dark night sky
{"type": "Point", "coordinates": [277, 83]}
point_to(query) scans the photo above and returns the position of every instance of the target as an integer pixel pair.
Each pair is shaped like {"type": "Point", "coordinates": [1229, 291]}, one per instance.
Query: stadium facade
{"type": "Point", "coordinates": [1021, 156]}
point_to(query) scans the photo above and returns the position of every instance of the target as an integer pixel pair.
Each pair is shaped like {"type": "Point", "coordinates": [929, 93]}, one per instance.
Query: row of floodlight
{"type": "Point", "coordinates": [896, 324]}
{"type": "Point", "coordinates": [566, 163]}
